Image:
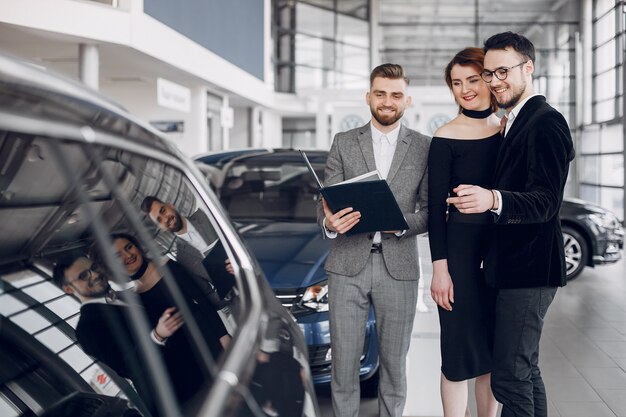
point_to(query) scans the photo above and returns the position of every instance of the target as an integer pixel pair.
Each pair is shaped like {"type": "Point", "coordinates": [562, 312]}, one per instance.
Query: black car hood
{"type": "Point", "coordinates": [291, 254]}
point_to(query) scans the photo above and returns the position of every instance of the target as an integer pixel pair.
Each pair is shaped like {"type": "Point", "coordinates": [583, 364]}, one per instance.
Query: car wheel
{"type": "Point", "coordinates": [576, 252]}
{"type": "Point", "coordinates": [369, 387]}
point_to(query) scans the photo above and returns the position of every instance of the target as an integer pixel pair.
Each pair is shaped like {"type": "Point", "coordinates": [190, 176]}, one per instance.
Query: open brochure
{"type": "Point", "coordinates": [368, 194]}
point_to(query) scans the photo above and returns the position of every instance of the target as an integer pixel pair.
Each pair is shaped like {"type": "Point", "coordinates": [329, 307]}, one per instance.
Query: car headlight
{"type": "Point", "coordinates": [605, 221]}
{"type": "Point", "coordinates": [316, 297]}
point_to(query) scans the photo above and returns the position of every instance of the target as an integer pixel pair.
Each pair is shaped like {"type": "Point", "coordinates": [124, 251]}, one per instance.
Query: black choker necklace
{"type": "Point", "coordinates": [477, 114]}
{"type": "Point", "coordinates": [141, 271]}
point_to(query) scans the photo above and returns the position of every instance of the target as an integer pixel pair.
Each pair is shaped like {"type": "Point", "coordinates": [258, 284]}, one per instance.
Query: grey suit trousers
{"type": "Point", "coordinates": [394, 304]}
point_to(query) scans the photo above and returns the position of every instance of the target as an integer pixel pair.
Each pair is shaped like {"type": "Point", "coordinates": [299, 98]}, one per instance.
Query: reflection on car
{"type": "Point", "coordinates": [271, 197]}
{"type": "Point", "coordinates": [74, 171]}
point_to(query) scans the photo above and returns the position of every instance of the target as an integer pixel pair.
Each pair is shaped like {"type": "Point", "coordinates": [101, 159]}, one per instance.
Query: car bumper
{"type": "Point", "coordinates": [610, 248]}
{"type": "Point", "coordinates": [316, 330]}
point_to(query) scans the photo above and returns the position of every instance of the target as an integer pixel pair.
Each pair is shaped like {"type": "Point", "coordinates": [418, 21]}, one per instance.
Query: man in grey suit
{"type": "Point", "coordinates": [198, 247]}
{"type": "Point", "coordinates": [381, 268]}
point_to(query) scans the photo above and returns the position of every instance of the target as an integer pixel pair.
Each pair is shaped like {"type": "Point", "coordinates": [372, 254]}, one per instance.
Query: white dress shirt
{"type": "Point", "coordinates": [384, 148]}
{"type": "Point", "coordinates": [195, 239]}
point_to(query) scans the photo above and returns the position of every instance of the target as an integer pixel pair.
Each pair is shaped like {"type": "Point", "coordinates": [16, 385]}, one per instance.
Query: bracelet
{"type": "Point", "coordinates": [493, 199]}
{"type": "Point", "coordinates": [158, 336]}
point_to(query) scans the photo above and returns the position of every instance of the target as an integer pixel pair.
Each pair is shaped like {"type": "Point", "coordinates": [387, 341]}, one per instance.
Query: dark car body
{"type": "Point", "coordinates": [74, 168]}
{"type": "Point", "coordinates": [592, 235]}
{"type": "Point", "coordinates": [277, 222]}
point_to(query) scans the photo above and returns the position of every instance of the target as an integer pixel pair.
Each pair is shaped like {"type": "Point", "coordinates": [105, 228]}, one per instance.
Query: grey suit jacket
{"type": "Point", "coordinates": [352, 154]}
{"type": "Point", "coordinates": [186, 253]}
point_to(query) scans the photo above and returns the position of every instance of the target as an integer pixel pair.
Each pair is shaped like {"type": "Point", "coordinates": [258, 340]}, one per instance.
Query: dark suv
{"type": "Point", "coordinates": [74, 171]}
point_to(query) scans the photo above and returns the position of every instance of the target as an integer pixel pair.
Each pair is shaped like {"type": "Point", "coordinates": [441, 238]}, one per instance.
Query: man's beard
{"type": "Point", "coordinates": [392, 118]}
{"type": "Point", "coordinates": [512, 102]}
{"type": "Point", "coordinates": [178, 222]}
{"type": "Point", "coordinates": [96, 292]}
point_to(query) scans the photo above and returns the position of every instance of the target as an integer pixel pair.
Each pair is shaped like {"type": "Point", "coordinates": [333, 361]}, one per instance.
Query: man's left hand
{"type": "Point", "coordinates": [471, 199]}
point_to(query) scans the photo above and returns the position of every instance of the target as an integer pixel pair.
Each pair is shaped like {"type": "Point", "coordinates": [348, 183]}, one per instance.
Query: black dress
{"type": "Point", "coordinates": [181, 358]}
{"type": "Point", "coordinates": [462, 239]}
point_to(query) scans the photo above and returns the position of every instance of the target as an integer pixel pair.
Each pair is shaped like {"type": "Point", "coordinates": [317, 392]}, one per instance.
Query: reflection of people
{"type": "Point", "coordinates": [463, 151]}
{"type": "Point", "coordinates": [197, 245]}
{"type": "Point", "coordinates": [102, 329]}
{"type": "Point", "coordinates": [378, 268]}
{"type": "Point", "coordinates": [525, 260]}
{"type": "Point", "coordinates": [181, 360]}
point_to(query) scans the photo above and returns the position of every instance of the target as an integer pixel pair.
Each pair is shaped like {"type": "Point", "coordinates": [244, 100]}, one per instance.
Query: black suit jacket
{"type": "Point", "coordinates": [103, 333]}
{"type": "Point", "coordinates": [531, 170]}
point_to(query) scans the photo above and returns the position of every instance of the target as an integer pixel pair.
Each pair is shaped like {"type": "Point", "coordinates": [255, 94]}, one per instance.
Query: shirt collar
{"type": "Point", "coordinates": [515, 110]}
{"type": "Point", "coordinates": [392, 136]}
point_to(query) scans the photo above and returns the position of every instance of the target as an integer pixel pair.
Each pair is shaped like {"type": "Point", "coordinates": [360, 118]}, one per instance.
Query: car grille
{"type": "Point", "coordinates": [290, 299]}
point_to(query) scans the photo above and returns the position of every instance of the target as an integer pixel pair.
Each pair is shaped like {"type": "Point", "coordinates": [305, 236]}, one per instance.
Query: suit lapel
{"type": "Point", "coordinates": [518, 125]}
{"type": "Point", "coordinates": [402, 146]}
{"type": "Point", "coordinates": [367, 146]}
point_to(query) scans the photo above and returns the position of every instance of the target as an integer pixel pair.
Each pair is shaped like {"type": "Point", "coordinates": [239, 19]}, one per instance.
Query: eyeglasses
{"type": "Point", "coordinates": [500, 73]}
{"type": "Point", "coordinates": [85, 275]}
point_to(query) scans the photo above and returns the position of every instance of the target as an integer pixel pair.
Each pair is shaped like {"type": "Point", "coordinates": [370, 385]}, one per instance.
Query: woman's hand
{"type": "Point", "coordinates": [170, 321]}
{"type": "Point", "coordinates": [441, 287]}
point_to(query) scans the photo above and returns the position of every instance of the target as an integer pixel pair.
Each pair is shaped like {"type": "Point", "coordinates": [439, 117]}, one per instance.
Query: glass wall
{"type": "Point", "coordinates": [321, 44]}
{"type": "Point", "coordinates": [601, 152]}
{"type": "Point", "coordinates": [607, 60]}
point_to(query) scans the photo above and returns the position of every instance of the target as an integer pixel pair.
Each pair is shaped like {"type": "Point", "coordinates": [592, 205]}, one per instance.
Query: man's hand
{"type": "Point", "coordinates": [170, 321]}
{"type": "Point", "coordinates": [472, 199]}
{"type": "Point", "coordinates": [342, 221]}
{"type": "Point", "coordinates": [229, 267]}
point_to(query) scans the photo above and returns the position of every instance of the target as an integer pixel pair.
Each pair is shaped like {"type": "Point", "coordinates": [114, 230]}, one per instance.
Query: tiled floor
{"type": "Point", "coordinates": [583, 349]}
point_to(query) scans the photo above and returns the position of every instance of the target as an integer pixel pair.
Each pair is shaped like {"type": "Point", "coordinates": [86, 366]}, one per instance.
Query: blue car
{"type": "Point", "coordinates": [271, 198]}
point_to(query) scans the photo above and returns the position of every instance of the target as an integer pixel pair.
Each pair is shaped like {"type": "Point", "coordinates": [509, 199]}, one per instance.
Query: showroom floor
{"type": "Point", "coordinates": [583, 350]}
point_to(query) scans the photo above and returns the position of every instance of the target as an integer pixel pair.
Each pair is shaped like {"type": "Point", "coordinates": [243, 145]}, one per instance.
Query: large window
{"type": "Point", "coordinates": [601, 152]}
{"type": "Point", "coordinates": [607, 61]}
{"type": "Point", "coordinates": [321, 44]}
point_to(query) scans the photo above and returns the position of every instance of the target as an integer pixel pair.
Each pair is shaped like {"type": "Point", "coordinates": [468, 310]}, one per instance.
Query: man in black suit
{"type": "Point", "coordinates": [103, 330]}
{"type": "Point", "coordinates": [526, 260]}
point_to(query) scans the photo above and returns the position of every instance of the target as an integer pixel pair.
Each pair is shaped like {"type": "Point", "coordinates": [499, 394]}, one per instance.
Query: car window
{"type": "Point", "coordinates": [274, 189]}
{"type": "Point", "coordinates": [63, 199]}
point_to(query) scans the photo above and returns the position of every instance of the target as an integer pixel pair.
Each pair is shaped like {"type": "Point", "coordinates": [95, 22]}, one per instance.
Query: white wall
{"type": "Point", "coordinates": [140, 99]}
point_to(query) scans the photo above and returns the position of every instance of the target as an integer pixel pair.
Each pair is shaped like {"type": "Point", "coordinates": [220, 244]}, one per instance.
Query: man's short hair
{"type": "Point", "coordinates": [519, 43]}
{"type": "Point", "coordinates": [391, 71]}
{"type": "Point", "coordinates": [147, 202]}
{"type": "Point", "coordinates": [63, 264]}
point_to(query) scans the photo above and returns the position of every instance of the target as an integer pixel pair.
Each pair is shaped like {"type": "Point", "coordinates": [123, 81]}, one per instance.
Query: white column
{"type": "Point", "coordinates": [587, 41]}
{"type": "Point", "coordinates": [374, 35]}
{"type": "Point", "coordinates": [89, 65]}
{"type": "Point", "coordinates": [322, 139]}
{"type": "Point", "coordinates": [226, 114]}
{"type": "Point", "coordinates": [197, 132]}
{"type": "Point", "coordinates": [256, 127]}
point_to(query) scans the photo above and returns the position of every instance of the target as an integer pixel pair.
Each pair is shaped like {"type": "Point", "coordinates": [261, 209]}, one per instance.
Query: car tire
{"type": "Point", "coordinates": [576, 252]}
{"type": "Point", "coordinates": [369, 387]}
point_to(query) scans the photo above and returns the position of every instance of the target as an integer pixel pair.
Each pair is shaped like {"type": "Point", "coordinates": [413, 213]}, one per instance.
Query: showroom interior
{"type": "Point", "coordinates": [214, 75]}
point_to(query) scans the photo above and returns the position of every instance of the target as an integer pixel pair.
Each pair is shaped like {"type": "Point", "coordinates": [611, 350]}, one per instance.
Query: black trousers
{"type": "Point", "coordinates": [515, 379]}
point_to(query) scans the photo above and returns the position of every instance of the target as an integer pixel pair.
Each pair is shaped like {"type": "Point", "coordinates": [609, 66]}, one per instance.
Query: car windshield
{"type": "Point", "coordinates": [275, 190]}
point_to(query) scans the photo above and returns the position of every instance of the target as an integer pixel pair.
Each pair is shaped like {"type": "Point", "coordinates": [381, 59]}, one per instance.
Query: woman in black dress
{"type": "Point", "coordinates": [180, 357]}
{"type": "Point", "coordinates": [463, 151]}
